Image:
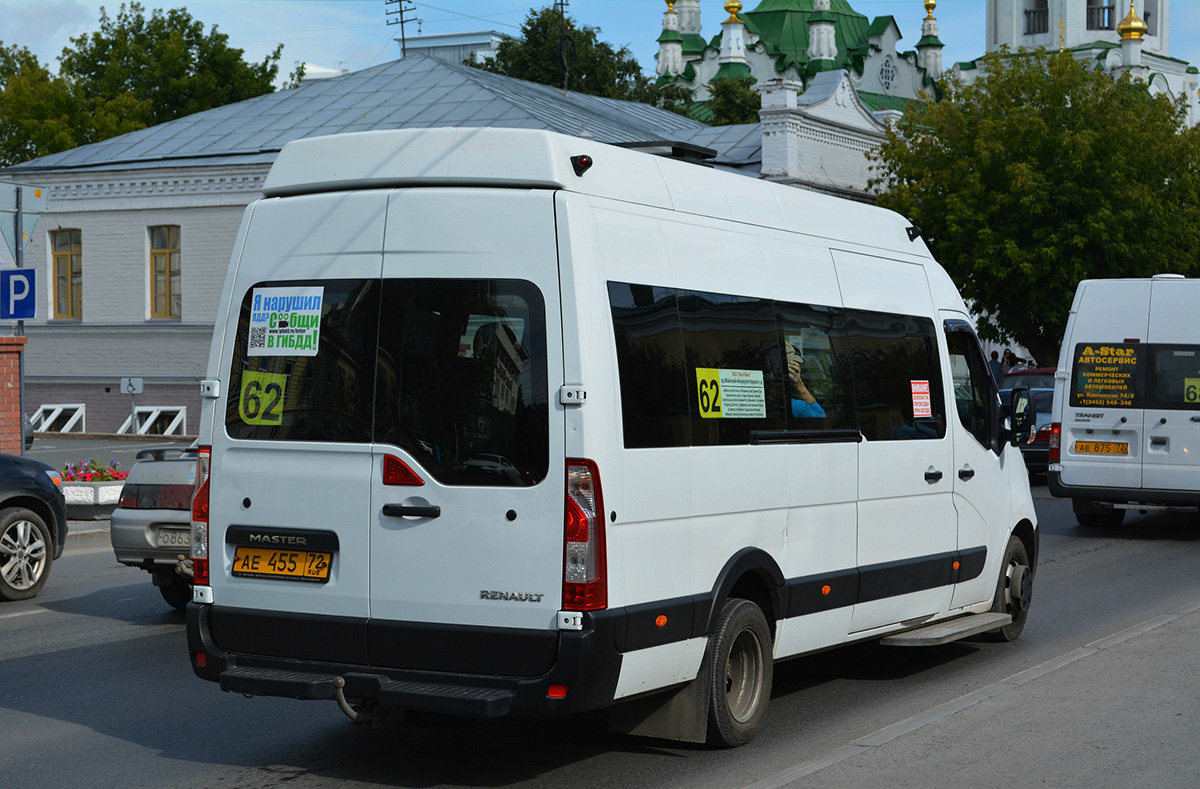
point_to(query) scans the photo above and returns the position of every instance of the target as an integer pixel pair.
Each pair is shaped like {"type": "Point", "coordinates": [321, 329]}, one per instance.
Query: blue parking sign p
{"type": "Point", "coordinates": [17, 298]}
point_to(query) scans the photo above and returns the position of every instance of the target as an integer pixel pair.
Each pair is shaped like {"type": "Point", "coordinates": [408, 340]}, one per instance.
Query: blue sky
{"type": "Point", "coordinates": [354, 34]}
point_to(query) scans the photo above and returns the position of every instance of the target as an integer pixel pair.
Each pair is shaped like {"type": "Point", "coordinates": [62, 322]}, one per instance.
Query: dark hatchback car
{"type": "Point", "coordinates": [33, 525]}
{"type": "Point", "coordinates": [1040, 382]}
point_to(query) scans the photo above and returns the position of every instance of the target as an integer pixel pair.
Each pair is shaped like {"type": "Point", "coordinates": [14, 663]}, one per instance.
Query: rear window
{"type": "Point", "coordinates": [1174, 377]}
{"type": "Point", "coordinates": [453, 371]}
{"type": "Point", "coordinates": [1028, 380]}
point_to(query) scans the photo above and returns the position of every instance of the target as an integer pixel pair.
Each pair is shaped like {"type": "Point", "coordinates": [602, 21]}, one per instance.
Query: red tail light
{"type": "Point", "coordinates": [200, 518]}
{"type": "Point", "coordinates": [585, 570]}
{"type": "Point", "coordinates": [1055, 442]}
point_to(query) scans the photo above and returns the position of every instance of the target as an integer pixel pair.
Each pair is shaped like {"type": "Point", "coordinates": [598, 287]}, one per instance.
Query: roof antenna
{"type": "Point", "coordinates": [584, 134]}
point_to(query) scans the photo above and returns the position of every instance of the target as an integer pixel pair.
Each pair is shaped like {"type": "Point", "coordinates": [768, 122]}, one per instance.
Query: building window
{"type": "Point", "coordinates": [1037, 19]}
{"type": "Point", "coordinates": [68, 273]}
{"type": "Point", "coordinates": [1101, 15]}
{"type": "Point", "coordinates": [887, 74]}
{"type": "Point", "coordinates": [166, 294]}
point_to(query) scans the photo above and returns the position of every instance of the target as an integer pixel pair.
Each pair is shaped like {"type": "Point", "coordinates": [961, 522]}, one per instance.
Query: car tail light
{"type": "Point", "coordinates": [585, 570]}
{"type": "Point", "coordinates": [200, 518]}
{"type": "Point", "coordinates": [1055, 442]}
{"type": "Point", "coordinates": [128, 500]}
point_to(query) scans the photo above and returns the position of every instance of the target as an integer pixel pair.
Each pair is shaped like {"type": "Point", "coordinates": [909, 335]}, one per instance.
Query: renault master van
{"type": "Point", "coordinates": [1126, 429]}
{"type": "Point", "coordinates": [501, 421]}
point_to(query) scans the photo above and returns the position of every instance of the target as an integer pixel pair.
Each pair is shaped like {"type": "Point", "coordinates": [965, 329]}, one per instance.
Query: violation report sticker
{"type": "Point", "coordinates": [922, 404]}
{"type": "Point", "coordinates": [730, 394]}
{"type": "Point", "coordinates": [285, 321]}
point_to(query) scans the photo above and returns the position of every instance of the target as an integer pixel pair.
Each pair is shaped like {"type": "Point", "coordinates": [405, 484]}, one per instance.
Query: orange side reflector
{"type": "Point", "coordinates": [956, 565]}
{"type": "Point", "coordinates": [826, 589]}
{"type": "Point", "coordinates": [556, 692]}
{"type": "Point", "coordinates": [661, 620]}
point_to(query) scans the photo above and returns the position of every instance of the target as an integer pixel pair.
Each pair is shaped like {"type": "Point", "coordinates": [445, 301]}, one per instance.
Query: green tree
{"type": "Point", "coordinates": [734, 100]}
{"type": "Point", "coordinates": [136, 71]}
{"type": "Point", "coordinates": [1040, 174]}
{"type": "Point", "coordinates": [595, 67]}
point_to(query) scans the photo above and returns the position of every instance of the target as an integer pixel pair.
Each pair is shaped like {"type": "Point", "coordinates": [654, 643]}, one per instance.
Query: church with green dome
{"type": "Point", "coordinates": [796, 40]}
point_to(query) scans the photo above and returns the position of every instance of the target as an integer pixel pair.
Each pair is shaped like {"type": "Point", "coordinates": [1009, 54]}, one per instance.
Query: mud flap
{"type": "Point", "coordinates": [679, 714]}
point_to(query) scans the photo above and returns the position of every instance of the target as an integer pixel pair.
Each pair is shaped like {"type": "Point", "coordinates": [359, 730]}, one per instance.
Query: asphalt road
{"type": "Point", "coordinates": [1101, 690]}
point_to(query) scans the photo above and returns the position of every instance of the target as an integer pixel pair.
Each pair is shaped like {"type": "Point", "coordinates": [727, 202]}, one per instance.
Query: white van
{"type": "Point", "coordinates": [1126, 429]}
{"type": "Point", "coordinates": [504, 421]}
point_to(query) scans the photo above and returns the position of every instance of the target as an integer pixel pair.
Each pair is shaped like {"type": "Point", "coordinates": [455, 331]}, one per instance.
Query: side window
{"type": "Point", "coordinates": [463, 379]}
{"type": "Point", "coordinates": [897, 377]}
{"type": "Point", "coordinates": [815, 368]}
{"type": "Point", "coordinates": [974, 396]}
{"type": "Point", "coordinates": [292, 335]}
{"type": "Point", "coordinates": [68, 273]}
{"type": "Point", "coordinates": [654, 389]}
{"type": "Point", "coordinates": [166, 294]}
{"type": "Point", "coordinates": [732, 351]}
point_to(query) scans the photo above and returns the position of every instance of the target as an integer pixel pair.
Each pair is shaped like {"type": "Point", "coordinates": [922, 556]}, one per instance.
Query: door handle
{"type": "Point", "coordinates": [412, 510]}
{"type": "Point", "coordinates": [966, 473]}
{"type": "Point", "coordinates": [932, 476]}
{"type": "Point", "coordinates": [1196, 419]}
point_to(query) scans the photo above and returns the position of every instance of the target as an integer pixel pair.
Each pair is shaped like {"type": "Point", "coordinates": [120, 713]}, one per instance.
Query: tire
{"type": "Point", "coordinates": [1014, 591]}
{"type": "Point", "coordinates": [740, 673]}
{"type": "Point", "coordinates": [178, 593]}
{"type": "Point", "coordinates": [26, 553]}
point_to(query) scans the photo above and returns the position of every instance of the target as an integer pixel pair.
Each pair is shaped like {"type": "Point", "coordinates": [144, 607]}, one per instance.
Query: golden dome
{"type": "Point", "coordinates": [670, 6]}
{"type": "Point", "coordinates": [1132, 27]}
{"type": "Point", "coordinates": [929, 6]}
{"type": "Point", "coordinates": [732, 6]}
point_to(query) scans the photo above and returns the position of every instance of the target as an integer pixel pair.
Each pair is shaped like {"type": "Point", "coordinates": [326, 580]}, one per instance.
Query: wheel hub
{"type": "Point", "coordinates": [1020, 588]}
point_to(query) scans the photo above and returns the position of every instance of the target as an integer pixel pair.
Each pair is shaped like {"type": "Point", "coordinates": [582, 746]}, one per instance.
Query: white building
{"type": "Point", "coordinates": [1115, 35]}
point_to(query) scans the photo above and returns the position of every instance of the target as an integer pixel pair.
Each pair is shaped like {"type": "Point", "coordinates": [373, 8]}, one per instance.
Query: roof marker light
{"type": "Point", "coordinates": [581, 163]}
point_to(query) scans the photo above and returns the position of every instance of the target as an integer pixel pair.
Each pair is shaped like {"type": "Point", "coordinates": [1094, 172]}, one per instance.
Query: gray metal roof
{"type": "Point", "coordinates": [416, 92]}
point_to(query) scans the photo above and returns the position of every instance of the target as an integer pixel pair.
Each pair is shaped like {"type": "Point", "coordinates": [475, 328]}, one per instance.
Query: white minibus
{"type": "Point", "coordinates": [504, 421]}
{"type": "Point", "coordinates": [1126, 427]}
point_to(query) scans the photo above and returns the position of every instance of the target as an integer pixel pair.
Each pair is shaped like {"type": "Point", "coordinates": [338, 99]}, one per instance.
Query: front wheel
{"type": "Point", "coordinates": [25, 553]}
{"type": "Point", "coordinates": [740, 673]}
{"type": "Point", "coordinates": [1014, 591]}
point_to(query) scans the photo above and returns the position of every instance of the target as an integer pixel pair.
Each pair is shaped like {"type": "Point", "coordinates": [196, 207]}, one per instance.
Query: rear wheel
{"type": "Point", "coordinates": [178, 593]}
{"type": "Point", "coordinates": [740, 673]}
{"type": "Point", "coordinates": [1014, 591]}
{"type": "Point", "coordinates": [26, 553]}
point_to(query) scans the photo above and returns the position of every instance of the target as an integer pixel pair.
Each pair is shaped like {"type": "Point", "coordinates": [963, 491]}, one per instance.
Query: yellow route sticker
{"type": "Point", "coordinates": [730, 394]}
{"type": "Point", "coordinates": [261, 398]}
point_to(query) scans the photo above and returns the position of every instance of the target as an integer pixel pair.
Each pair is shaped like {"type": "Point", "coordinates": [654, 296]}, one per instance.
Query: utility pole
{"type": "Point", "coordinates": [566, 44]}
{"type": "Point", "coordinates": [397, 12]}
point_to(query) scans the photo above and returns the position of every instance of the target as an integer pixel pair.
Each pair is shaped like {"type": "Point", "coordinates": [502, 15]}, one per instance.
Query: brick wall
{"type": "Point", "coordinates": [11, 435]}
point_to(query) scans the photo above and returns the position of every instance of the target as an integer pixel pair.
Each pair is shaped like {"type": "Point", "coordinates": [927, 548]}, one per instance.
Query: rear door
{"type": "Point", "coordinates": [1172, 433]}
{"type": "Point", "coordinates": [292, 461]}
{"type": "Point", "coordinates": [470, 362]}
{"type": "Point", "coordinates": [1102, 422]}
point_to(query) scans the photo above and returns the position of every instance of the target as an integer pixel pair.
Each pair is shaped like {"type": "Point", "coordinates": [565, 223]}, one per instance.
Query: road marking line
{"type": "Point", "coordinates": [23, 613]}
{"type": "Point", "coordinates": [891, 732]}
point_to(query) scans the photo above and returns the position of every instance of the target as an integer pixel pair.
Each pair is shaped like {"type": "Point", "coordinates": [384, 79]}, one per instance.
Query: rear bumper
{"type": "Point", "coordinates": [586, 662]}
{"type": "Point", "coordinates": [1173, 498]}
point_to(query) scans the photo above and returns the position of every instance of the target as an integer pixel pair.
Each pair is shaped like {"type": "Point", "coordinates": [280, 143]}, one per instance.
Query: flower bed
{"type": "Point", "coordinates": [92, 489]}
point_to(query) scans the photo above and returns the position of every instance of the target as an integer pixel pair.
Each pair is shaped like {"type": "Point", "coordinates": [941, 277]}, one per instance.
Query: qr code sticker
{"type": "Point", "coordinates": [258, 337]}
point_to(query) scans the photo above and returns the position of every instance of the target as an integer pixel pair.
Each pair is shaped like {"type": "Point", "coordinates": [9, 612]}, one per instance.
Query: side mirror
{"type": "Point", "coordinates": [1021, 416]}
